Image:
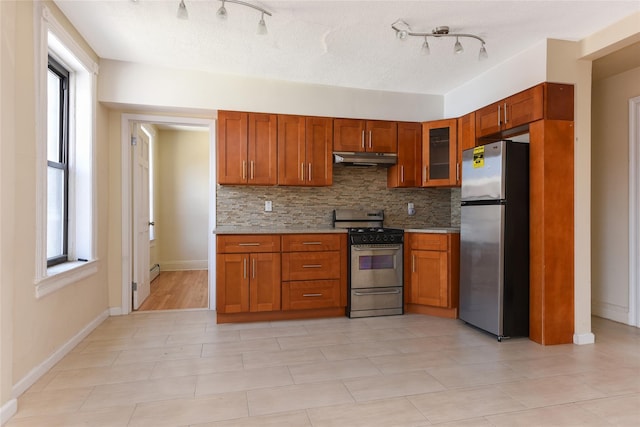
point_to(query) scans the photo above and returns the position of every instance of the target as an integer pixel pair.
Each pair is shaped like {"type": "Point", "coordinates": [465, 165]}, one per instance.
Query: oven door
{"type": "Point", "coordinates": [376, 266]}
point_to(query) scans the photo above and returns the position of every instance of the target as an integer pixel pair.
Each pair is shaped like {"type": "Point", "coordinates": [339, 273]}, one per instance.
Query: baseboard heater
{"type": "Point", "coordinates": [154, 272]}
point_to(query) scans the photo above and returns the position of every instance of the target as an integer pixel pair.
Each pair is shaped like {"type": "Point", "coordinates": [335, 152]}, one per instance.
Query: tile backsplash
{"type": "Point", "coordinates": [353, 187]}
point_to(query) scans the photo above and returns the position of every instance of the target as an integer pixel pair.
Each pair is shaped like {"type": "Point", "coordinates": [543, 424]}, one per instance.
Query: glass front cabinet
{"type": "Point", "coordinates": [440, 166]}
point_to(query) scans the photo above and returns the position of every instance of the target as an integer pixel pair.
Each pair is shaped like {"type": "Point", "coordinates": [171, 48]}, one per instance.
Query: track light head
{"type": "Point", "coordinates": [222, 12]}
{"type": "Point", "coordinates": [483, 55]}
{"type": "Point", "coordinates": [457, 48]}
{"type": "Point", "coordinates": [183, 13]}
{"type": "Point", "coordinates": [262, 26]}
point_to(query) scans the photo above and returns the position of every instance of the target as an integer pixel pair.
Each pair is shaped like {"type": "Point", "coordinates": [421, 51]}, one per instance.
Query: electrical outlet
{"type": "Point", "coordinates": [411, 210]}
{"type": "Point", "coordinates": [268, 206]}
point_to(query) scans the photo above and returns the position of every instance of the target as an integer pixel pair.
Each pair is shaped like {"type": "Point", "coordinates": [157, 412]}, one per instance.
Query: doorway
{"type": "Point", "coordinates": [181, 213]}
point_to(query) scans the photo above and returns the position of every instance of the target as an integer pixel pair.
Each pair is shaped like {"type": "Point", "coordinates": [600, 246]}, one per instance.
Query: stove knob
{"type": "Point", "coordinates": [385, 238]}
{"type": "Point", "coordinates": [392, 238]}
{"type": "Point", "coordinates": [378, 238]}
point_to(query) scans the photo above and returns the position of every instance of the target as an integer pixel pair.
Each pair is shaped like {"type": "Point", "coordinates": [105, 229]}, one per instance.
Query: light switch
{"type": "Point", "coordinates": [268, 206]}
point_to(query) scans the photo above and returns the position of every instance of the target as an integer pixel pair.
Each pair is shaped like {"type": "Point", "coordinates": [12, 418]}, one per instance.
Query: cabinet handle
{"type": "Point", "coordinates": [244, 267]}
{"type": "Point", "coordinates": [311, 243]}
{"type": "Point", "coordinates": [370, 139]}
{"type": "Point", "coordinates": [244, 170]}
{"type": "Point", "coordinates": [363, 294]}
{"type": "Point", "coordinates": [402, 173]}
{"type": "Point", "coordinates": [249, 244]}
{"type": "Point", "coordinates": [311, 295]}
{"type": "Point", "coordinates": [363, 146]}
{"type": "Point", "coordinates": [506, 119]}
{"type": "Point", "coordinates": [426, 173]}
{"type": "Point", "coordinates": [413, 263]}
{"type": "Point", "coordinates": [302, 171]}
{"type": "Point", "coordinates": [312, 266]}
{"type": "Point", "coordinates": [310, 173]}
{"type": "Point", "coordinates": [457, 172]}
{"type": "Point", "coordinates": [253, 269]}
{"type": "Point", "coordinates": [499, 115]}
{"type": "Point", "coordinates": [253, 169]}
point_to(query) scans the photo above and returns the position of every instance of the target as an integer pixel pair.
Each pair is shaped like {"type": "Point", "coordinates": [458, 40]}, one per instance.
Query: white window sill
{"type": "Point", "coordinates": [65, 274]}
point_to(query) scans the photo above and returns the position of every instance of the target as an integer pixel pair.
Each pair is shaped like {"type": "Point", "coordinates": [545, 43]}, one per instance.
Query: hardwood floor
{"type": "Point", "coordinates": [178, 290]}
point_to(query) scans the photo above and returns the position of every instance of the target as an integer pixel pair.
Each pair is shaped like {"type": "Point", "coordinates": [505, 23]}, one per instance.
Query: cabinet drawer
{"type": "Point", "coordinates": [310, 294]}
{"type": "Point", "coordinates": [244, 243]}
{"type": "Point", "coordinates": [310, 265]}
{"type": "Point", "coordinates": [310, 242]}
{"type": "Point", "coordinates": [429, 242]}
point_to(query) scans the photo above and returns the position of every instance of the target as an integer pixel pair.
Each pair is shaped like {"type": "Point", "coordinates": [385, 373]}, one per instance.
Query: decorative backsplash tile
{"type": "Point", "coordinates": [455, 207]}
{"type": "Point", "coordinates": [353, 187]}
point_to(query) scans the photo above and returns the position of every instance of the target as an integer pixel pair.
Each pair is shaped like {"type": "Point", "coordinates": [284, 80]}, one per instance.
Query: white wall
{"type": "Point", "coordinates": [126, 85]}
{"type": "Point", "coordinates": [610, 194]}
{"type": "Point", "coordinates": [182, 220]}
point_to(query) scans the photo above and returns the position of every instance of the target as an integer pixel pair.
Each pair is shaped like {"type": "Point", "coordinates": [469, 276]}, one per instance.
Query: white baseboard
{"type": "Point", "coordinates": [582, 339]}
{"type": "Point", "coordinates": [610, 311]}
{"type": "Point", "coordinates": [115, 311]}
{"type": "Point", "coordinates": [8, 410]}
{"type": "Point", "coordinates": [197, 264]}
{"type": "Point", "coordinates": [37, 372]}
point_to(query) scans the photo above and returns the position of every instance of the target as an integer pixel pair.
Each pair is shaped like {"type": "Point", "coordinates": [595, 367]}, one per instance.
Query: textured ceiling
{"type": "Point", "coordinates": [337, 43]}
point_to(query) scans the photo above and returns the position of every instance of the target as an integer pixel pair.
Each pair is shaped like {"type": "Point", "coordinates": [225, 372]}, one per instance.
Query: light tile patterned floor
{"type": "Point", "coordinates": [179, 368]}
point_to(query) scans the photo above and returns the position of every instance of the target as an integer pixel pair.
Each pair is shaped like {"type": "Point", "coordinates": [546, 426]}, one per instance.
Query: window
{"type": "Point", "coordinates": [57, 162]}
{"type": "Point", "coordinates": [66, 185]}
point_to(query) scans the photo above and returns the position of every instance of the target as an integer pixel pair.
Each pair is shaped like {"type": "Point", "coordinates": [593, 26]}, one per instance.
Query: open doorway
{"type": "Point", "coordinates": [180, 213]}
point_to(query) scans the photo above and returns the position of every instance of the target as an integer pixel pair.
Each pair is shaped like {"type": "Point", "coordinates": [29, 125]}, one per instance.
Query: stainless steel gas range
{"type": "Point", "coordinates": [375, 263]}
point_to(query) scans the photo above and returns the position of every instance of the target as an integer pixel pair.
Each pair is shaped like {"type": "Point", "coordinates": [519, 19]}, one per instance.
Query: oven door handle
{"type": "Point", "coordinates": [362, 294]}
{"type": "Point", "coordinates": [386, 248]}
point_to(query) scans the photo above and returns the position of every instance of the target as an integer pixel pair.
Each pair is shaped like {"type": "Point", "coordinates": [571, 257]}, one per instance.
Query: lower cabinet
{"type": "Point", "coordinates": [432, 273]}
{"type": "Point", "coordinates": [271, 277]}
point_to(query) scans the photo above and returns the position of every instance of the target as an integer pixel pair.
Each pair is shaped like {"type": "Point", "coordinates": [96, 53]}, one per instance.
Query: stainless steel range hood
{"type": "Point", "coordinates": [365, 159]}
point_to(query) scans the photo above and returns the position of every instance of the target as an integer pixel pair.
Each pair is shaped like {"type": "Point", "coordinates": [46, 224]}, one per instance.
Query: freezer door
{"type": "Point", "coordinates": [481, 266]}
{"type": "Point", "coordinates": [483, 172]}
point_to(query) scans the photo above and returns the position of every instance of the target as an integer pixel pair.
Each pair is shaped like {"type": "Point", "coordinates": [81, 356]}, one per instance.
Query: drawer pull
{"type": "Point", "coordinates": [311, 295]}
{"type": "Point", "coordinates": [364, 294]}
{"type": "Point", "coordinates": [312, 266]}
{"type": "Point", "coordinates": [311, 243]}
{"type": "Point", "coordinates": [248, 244]}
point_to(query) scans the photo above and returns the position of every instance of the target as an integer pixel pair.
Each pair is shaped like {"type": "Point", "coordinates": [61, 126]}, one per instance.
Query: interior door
{"type": "Point", "coordinates": [140, 160]}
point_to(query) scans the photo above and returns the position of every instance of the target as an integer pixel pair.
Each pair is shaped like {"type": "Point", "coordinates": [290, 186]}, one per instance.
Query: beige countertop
{"type": "Point", "coordinates": [229, 229]}
{"type": "Point", "coordinates": [226, 229]}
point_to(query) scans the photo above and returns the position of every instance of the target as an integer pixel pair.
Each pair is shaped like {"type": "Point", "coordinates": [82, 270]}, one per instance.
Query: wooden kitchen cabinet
{"type": "Point", "coordinates": [248, 273]}
{"type": "Point", "coordinates": [313, 271]}
{"type": "Point", "coordinates": [432, 265]}
{"type": "Point", "coordinates": [376, 136]}
{"type": "Point", "coordinates": [466, 138]}
{"type": "Point", "coordinates": [440, 153]}
{"type": "Point", "coordinates": [406, 173]}
{"type": "Point", "coordinates": [247, 148]}
{"type": "Point", "coordinates": [305, 150]}
{"type": "Point", "coordinates": [552, 101]}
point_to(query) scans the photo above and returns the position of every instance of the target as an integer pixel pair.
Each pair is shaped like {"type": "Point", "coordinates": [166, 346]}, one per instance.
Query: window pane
{"type": "Point", "coordinates": [55, 212]}
{"type": "Point", "coordinates": [53, 117]}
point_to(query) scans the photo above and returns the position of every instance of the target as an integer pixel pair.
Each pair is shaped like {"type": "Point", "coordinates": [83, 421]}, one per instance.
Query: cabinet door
{"type": "Point", "coordinates": [348, 135]}
{"type": "Point", "coordinates": [232, 283]}
{"type": "Point", "coordinates": [466, 139]}
{"type": "Point", "coordinates": [523, 107]}
{"type": "Point", "coordinates": [264, 289]}
{"type": "Point", "coordinates": [429, 278]}
{"type": "Point", "coordinates": [262, 149]}
{"type": "Point", "coordinates": [407, 172]}
{"type": "Point", "coordinates": [291, 150]}
{"type": "Point", "coordinates": [232, 147]}
{"type": "Point", "coordinates": [489, 120]}
{"type": "Point", "coordinates": [382, 137]}
{"type": "Point", "coordinates": [319, 147]}
{"type": "Point", "coordinates": [439, 153]}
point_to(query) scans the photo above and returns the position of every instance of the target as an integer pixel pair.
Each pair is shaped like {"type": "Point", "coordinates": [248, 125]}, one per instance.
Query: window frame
{"type": "Point", "coordinates": [82, 232]}
{"type": "Point", "coordinates": [63, 154]}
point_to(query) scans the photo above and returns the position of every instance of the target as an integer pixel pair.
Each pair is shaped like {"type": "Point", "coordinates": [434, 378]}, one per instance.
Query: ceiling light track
{"type": "Point", "coordinates": [403, 31]}
{"type": "Point", "coordinates": [222, 13]}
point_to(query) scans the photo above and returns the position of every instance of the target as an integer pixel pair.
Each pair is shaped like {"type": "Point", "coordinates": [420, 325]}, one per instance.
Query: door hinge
{"type": "Point", "coordinates": [134, 140]}
{"type": "Point", "coordinates": [134, 286]}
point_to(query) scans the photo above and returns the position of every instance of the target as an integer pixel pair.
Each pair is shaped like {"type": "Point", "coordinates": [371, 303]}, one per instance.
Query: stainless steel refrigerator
{"type": "Point", "coordinates": [494, 238]}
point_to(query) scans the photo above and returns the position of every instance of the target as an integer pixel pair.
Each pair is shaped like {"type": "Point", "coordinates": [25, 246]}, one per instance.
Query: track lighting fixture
{"type": "Point", "coordinates": [222, 13]}
{"type": "Point", "coordinates": [404, 31]}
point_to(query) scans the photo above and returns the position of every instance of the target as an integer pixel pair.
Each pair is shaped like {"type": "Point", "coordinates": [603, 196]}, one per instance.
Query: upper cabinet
{"type": "Point", "coordinates": [374, 136]}
{"type": "Point", "coordinates": [304, 150]}
{"type": "Point", "coordinates": [439, 153]}
{"type": "Point", "coordinates": [548, 100]}
{"type": "Point", "coordinates": [406, 173]}
{"type": "Point", "coordinates": [466, 138]}
{"type": "Point", "coordinates": [247, 147]}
